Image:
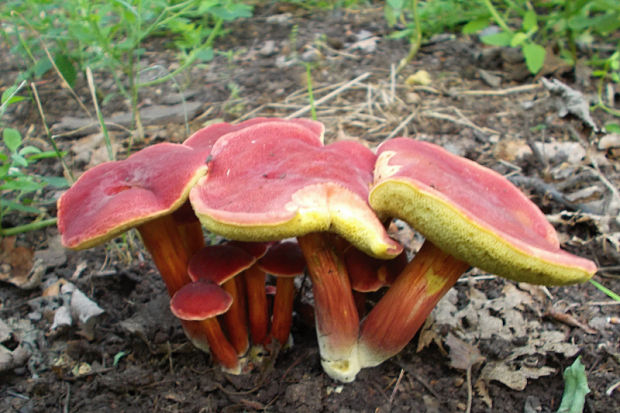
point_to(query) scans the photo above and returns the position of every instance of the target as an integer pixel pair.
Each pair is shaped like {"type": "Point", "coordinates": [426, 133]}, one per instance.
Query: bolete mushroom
{"type": "Point", "coordinates": [258, 309]}
{"type": "Point", "coordinates": [201, 302]}
{"type": "Point", "coordinates": [220, 264]}
{"type": "Point", "coordinates": [470, 216]}
{"type": "Point", "coordinates": [272, 181]}
{"type": "Point", "coordinates": [284, 261]}
{"type": "Point", "coordinates": [141, 191]}
{"type": "Point", "coordinates": [368, 274]}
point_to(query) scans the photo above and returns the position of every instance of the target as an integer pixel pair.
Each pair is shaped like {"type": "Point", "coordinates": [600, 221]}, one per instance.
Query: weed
{"type": "Point", "coordinates": [109, 36]}
{"type": "Point", "coordinates": [20, 187]}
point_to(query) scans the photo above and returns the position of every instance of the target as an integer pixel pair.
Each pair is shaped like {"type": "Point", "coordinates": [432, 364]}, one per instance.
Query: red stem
{"type": "Point", "coordinates": [235, 319]}
{"type": "Point", "coordinates": [258, 311]}
{"type": "Point", "coordinates": [283, 309]}
{"type": "Point", "coordinates": [337, 320]}
{"type": "Point", "coordinates": [163, 240]}
{"type": "Point", "coordinates": [393, 322]}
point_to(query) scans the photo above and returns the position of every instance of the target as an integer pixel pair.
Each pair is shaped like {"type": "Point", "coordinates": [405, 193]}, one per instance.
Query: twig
{"type": "Point", "coordinates": [65, 408]}
{"type": "Point", "coordinates": [463, 121]}
{"type": "Point", "coordinates": [469, 389]}
{"type": "Point", "coordinates": [329, 95]}
{"type": "Point", "coordinates": [400, 377]}
{"type": "Point", "coordinates": [501, 92]}
{"type": "Point", "coordinates": [401, 125]}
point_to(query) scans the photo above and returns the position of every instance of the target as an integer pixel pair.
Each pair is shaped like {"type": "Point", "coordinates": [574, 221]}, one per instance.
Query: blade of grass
{"type": "Point", "coordinates": [48, 133]}
{"type": "Point", "coordinates": [606, 290]}
{"type": "Point", "coordinates": [104, 128]}
{"type": "Point", "coordinates": [310, 93]}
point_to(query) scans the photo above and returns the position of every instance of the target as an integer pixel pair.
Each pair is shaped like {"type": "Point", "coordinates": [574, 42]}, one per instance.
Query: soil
{"type": "Point", "coordinates": [149, 366]}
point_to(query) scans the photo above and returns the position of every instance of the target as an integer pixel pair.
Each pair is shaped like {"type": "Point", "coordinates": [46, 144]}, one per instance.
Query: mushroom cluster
{"type": "Point", "coordinates": [286, 202]}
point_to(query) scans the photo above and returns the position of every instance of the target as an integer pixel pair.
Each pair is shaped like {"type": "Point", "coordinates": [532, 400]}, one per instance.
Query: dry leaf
{"type": "Point", "coordinates": [462, 354]}
{"type": "Point", "coordinates": [15, 263]}
{"type": "Point", "coordinates": [513, 377]}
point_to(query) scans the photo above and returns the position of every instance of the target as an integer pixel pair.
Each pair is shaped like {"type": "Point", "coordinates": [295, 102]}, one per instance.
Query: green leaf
{"type": "Point", "coordinates": [518, 39]}
{"type": "Point", "coordinates": [205, 55]}
{"type": "Point", "coordinates": [22, 185]}
{"type": "Point", "coordinates": [534, 56]}
{"type": "Point", "coordinates": [530, 20]}
{"type": "Point", "coordinates": [118, 356]}
{"type": "Point", "coordinates": [65, 66]}
{"type": "Point", "coordinates": [42, 66]}
{"type": "Point", "coordinates": [19, 160]}
{"type": "Point", "coordinates": [498, 39]}
{"type": "Point", "coordinates": [12, 139]}
{"type": "Point", "coordinates": [575, 388]}
{"type": "Point", "coordinates": [27, 150]}
{"type": "Point", "coordinates": [475, 26]}
{"type": "Point", "coordinates": [16, 206]}
{"type": "Point", "coordinates": [55, 181]}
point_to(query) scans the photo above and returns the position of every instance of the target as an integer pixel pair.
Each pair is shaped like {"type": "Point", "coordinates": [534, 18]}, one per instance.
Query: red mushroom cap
{"type": "Point", "coordinates": [257, 249]}
{"type": "Point", "coordinates": [368, 274]}
{"type": "Point", "coordinates": [273, 181]}
{"type": "Point", "coordinates": [207, 136]}
{"type": "Point", "coordinates": [112, 197]}
{"type": "Point", "coordinates": [472, 213]}
{"type": "Point", "coordinates": [283, 259]}
{"type": "Point", "coordinates": [219, 263]}
{"type": "Point", "coordinates": [200, 300]}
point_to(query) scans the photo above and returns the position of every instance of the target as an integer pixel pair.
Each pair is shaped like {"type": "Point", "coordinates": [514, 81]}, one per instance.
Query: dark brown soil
{"type": "Point", "coordinates": [160, 371]}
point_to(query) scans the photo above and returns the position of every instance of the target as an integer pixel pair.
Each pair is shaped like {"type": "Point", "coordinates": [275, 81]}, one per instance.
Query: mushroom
{"type": "Point", "coordinates": [201, 302]}
{"type": "Point", "coordinates": [147, 190]}
{"type": "Point", "coordinates": [272, 181]}
{"type": "Point", "coordinates": [284, 261]}
{"type": "Point", "coordinates": [368, 274]}
{"type": "Point", "coordinates": [141, 191]}
{"type": "Point", "coordinates": [220, 264]}
{"type": "Point", "coordinates": [254, 277]}
{"type": "Point", "coordinates": [470, 216]}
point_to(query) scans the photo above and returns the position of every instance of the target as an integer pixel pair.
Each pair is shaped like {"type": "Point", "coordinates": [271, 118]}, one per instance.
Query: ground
{"type": "Point", "coordinates": [480, 103]}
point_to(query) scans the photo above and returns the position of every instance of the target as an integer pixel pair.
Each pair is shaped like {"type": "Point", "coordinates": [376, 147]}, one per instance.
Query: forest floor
{"type": "Point", "coordinates": [479, 102]}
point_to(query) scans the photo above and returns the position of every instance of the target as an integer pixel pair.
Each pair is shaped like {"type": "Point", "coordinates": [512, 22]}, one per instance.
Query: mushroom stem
{"type": "Point", "coordinates": [221, 349]}
{"type": "Point", "coordinates": [189, 227]}
{"type": "Point", "coordinates": [162, 239]}
{"type": "Point", "coordinates": [337, 320]}
{"type": "Point", "coordinates": [235, 319]}
{"type": "Point", "coordinates": [258, 312]}
{"type": "Point", "coordinates": [283, 309]}
{"type": "Point", "coordinates": [396, 318]}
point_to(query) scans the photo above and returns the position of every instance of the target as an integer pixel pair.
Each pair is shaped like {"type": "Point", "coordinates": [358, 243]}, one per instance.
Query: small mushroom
{"type": "Point", "coordinates": [470, 216]}
{"type": "Point", "coordinates": [273, 181]}
{"type": "Point", "coordinates": [284, 261]}
{"type": "Point", "coordinates": [201, 302]}
{"type": "Point", "coordinates": [368, 274]}
{"type": "Point", "coordinates": [220, 264]}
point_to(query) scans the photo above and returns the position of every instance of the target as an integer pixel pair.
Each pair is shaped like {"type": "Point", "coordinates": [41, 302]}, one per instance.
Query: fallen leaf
{"type": "Point", "coordinates": [513, 377]}
{"type": "Point", "coordinates": [462, 354]}
{"type": "Point", "coordinates": [15, 263]}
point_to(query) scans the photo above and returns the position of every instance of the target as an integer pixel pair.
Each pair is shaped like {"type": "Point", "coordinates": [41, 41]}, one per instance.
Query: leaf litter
{"type": "Point", "coordinates": [513, 317]}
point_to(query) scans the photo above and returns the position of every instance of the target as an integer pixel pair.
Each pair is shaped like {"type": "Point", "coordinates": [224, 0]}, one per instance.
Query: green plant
{"type": "Point", "coordinates": [608, 70]}
{"type": "Point", "coordinates": [20, 187]}
{"type": "Point", "coordinates": [416, 19]}
{"type": "Point", "coordinates": [109, 36]}
{"type": "Point", "coordinates": [533, 26]}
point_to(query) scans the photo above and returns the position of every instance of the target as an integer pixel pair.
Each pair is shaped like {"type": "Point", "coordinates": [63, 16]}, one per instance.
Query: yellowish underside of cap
{"type": "Point", "coordinates": [91, 242]}
{"type": "Point", "coordinates": [450, 230]}
{"type": "Point", "coordinates": [318, 208]}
